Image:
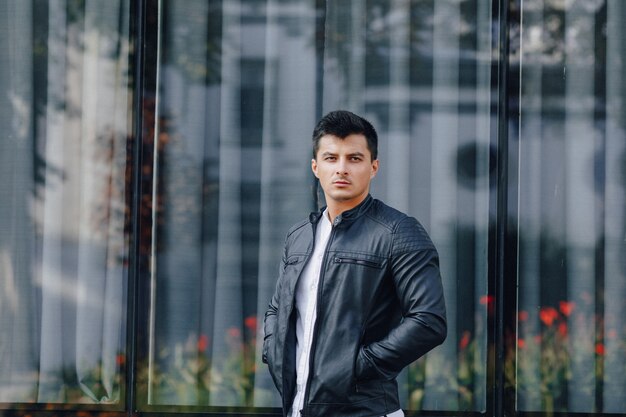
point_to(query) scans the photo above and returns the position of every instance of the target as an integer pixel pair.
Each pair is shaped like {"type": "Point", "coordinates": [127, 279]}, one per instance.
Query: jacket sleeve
{"type": "Point", "coordinates": [414, 265]}
{"type": "Point", "coordinates": [269, 322]}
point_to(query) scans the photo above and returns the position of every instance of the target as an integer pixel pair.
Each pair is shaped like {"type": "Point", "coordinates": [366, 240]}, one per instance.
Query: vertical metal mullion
{"type": "Point", "coordinates": [600, 77]}
{"type": "Point", "coordinates": [496, 64]}
{"type": "Point", "coordinates": [137, 27]}
{"type": "Point", "coordinates": [501, 206]}
{"type": "Point", "coordinates": [509, 270]}
{"type": "Point", "coordinates": [144, 30]}
{"type": "Point", "coordinates": [503, 243]}
{"type": "Point", "coordinates": [320, 41]}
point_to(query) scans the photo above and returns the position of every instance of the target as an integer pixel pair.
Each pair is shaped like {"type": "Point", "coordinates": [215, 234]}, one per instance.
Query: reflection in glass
{"type": "Point", "coordinates": [63, 159]}
{"type": "Point", "coordinates": [238, 87]}
{"type": "Point", "coordinates": [237, 93]}
{"type": "Point", "coordinates": [571, 335]}
{"type": "Point", "coordinates": [420, 71]}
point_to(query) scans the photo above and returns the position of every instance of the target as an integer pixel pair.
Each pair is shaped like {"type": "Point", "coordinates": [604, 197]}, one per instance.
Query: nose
{"type": "Point", "coordinates": [342, 167]}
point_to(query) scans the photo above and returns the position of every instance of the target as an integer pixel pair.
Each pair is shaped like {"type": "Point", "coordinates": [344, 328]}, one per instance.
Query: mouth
{"type": "Point", "coordinates": [341, 184]}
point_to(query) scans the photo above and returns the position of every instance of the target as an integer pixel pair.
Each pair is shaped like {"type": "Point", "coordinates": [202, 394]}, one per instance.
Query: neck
{"type": "Point", "coordinates": [335, 208]}
{"type": "Point", "coordinates": [332, 213]}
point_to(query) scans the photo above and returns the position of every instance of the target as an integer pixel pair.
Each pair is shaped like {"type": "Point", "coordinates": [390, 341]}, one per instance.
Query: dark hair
{"type": "Point", "coordinates": [342, 123]}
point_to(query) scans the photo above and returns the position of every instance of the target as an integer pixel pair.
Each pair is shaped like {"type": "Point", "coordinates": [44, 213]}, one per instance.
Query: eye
{"type": "Point", "coordinates": [329, 158]}
{"type": "Point", "coordinates": [355, 158]}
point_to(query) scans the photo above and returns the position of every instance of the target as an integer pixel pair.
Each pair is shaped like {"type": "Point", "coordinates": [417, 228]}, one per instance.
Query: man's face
{"type": "Point", "coordinates": [344, 168]}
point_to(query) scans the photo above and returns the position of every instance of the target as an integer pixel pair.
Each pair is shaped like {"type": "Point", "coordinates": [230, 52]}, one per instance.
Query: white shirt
{"type": "Point", "coordinates": [306, 307]}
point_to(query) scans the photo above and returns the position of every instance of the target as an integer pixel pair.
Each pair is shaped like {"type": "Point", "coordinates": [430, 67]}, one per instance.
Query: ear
{"type": "Point", "coordinates": [374, 168]}
{"type": "Point", "coordinates": [314, 167]}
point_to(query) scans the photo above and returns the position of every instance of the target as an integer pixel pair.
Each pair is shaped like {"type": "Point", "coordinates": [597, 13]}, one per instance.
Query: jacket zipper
{"type": "Point", "coordinates": [293, 303]}
{"type": "Point", "coordinates": [317, 320]}
{"type": "Point", "coordinates": [339, 259]}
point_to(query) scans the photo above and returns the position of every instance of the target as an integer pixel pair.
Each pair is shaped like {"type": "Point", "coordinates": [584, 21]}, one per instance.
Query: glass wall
{"type": "Point", "coordinates": [65, 107]}
{"type": "Point", "coordinates": [241, 85]}
{"type": "Point", "coordinates": [237, 100]}
{"type": "Point", "coordinates": [571, 342]}
{"type": "Point", "coordinates": [135, 273]}
{"type": "Point", "coordinates": [421, 72]}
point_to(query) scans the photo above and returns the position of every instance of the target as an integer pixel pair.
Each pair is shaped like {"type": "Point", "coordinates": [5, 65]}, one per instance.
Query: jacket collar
{"type": "Point", "coordinates": [347, 216]}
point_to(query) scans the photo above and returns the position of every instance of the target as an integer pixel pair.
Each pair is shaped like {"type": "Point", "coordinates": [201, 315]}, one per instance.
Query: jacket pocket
{"type": "Point", "coordinates": [358, 260]}
{"type": "Point", "coordinates": [364, 369]}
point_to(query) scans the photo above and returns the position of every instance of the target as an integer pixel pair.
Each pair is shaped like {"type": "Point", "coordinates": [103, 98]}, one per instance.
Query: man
{"type": "Point", "coordinates": [359, 294]}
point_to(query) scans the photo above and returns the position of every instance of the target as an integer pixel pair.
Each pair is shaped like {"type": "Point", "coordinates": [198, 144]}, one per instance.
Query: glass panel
{"type": "Point", "coordinates": [238, 85]}
{"type": "Point", "coordinates": [421, 72]}
{"type": "Point", "coordinates": [63, 213]}
{"type": "Point", "coordinates": [237, 103]}
{"type": "Point", "coordinates": [571, 346]}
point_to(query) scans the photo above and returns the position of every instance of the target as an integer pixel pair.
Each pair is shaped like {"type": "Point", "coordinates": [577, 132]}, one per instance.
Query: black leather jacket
{"type": "Point", "coordinates": [380, 307]}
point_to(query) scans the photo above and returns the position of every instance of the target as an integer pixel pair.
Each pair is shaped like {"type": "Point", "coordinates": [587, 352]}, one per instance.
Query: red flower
{"type": "Point", "coordinates": [522, 315]}
{"type": "Point", "coordinates": [521, 343]}
{"type": "Point", "coordinates": [203, 343]}
{"type": "Point", "coordinates": [488, 300]}
{"type": "Point", "coordinates": [120, 359]}
{"type": "Point", "coordinates": [251, 323]}
{"type": "Point", "coordinates": [562, 329]}
{"type": "Point", "coordinates": [566, 307]}
{"type": "Point", "coordinates": [465, 340]}
{"type": "Point", "coordinates": [599, 349]}
{"type": "Point", "coordinates": [233, 332]}
{"type": "Point", "coordinates": [547, 315]}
